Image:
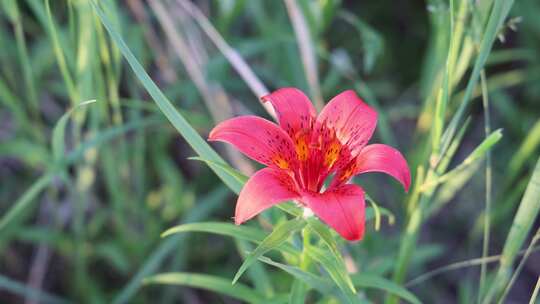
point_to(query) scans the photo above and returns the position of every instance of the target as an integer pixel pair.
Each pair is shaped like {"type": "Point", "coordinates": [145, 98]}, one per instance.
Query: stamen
{"type": "Point", "coordinates": [280, 162]}
{"type": "Point", "coordinates": [332, 153]}
{"type": "Point", "coordinates": [345, 175]}
{"type": "Point", "coordinates": [301, 147]}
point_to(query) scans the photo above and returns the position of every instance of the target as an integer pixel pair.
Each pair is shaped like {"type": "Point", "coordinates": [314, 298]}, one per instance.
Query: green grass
{"type": "Point", "coordinates": [88, 189]}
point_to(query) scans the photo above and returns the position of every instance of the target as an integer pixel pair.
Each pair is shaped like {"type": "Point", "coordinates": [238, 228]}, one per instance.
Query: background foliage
{"type": "Point", "coordinates": [92, 171]}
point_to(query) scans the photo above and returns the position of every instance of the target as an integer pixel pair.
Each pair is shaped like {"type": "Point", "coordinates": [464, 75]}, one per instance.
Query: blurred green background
{"type": "Point", "coordinates": [91, 231]}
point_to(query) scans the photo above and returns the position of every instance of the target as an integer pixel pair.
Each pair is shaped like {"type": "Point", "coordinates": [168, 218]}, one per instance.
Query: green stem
{"type": "Point", "coordinates": [300, 289]}
{"type": "Point", "coordinates": [487, 211]}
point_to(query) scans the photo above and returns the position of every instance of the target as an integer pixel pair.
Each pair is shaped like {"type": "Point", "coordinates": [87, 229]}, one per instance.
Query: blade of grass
{"type": "Point", "coordinates": [499, 12]}
{"type": "Point", "coordinates": [535, 292]}
{"type": "Point", "coordinates": [307, 52]}
{"type": "Point", "coordinates": [257, 274]}
{"type": "Point", "coordinates": [534, 240]}
{"type": "Point", "coordinates": [219, 108]}
{"type": "Point", "coordinates": [488, 185]}
{"type": "Point", "coordinates": [23, 290]}
{"type": "Point", "coordinates": [24, 59]}
{"type": "Point", "coordinates": [177, 120]}
{"type": "Point", "coordinates": [109, 134]}
{"type": "Point", "coordinates": [191, 51]}
{"type": "Point", "coordinates": [522, 224]}
{"type": "Point", "coordinates": [365, 280]}
{"type": "Point", "coordinates": [9, 100]}
{"type": "Point", "coordinates": [211, 283]}
{"type": "Point", "coordinates": [304, 280]}
{"type": "Point", "coordinates": [59, 53]}
{"type": "Point", "coordinates": [239, 232]}
{"type": "Point", "coordinates": [478, 153]}
{"type": "Point", "coordinates": [241, 178]}
{"type": "Point", "coordinates": [167, 247]}
{"type": "Point", "coordinates": [338, 274]}
{"type": "Point", "coordinates": [459, 265]}
{"type": "Point", "coordinates": [372, 41]}
{"type": "Point", "coordinates": [58, 134]}
{"type": "Point", "coordinates": [238, 63]}
{"type": "Point", "coordinates": [525, 151]}
{"type": "Point", "coordinates": [316, 282]}
{"type": "Point", "coordinates": [24, 202]}
{"type": "Point", "coordinates": [14, 214]}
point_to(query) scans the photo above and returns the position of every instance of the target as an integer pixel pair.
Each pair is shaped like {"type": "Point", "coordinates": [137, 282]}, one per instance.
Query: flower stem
{"type": "Point", "coordinates": [299, 289]}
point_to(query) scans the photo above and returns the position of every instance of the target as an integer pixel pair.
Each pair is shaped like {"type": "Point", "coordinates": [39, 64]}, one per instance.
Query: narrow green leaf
{"type": "Point", "coordinates": [178, 121]}
{"type": "Point", "coordinates": [58, 134]}
{"type": "Point", "coordinates": [499, 12]}
{"type": "Point", "coordinates": [485, 146]}
{"type": "Point", "coordinates": [12, 216]}
{"type": "Point", "coordinates": [29, 292]}
{"type": "Point", "coordinates": [257, 274]}
{"type": "Point", "coordinates": [444, 162]}
{"type": "Point", "coordinates": [535, 292]}
{"type": "Point", "coordinates": [279, 235]}
{"type": "Point", "coordinates": [156, 258]}
{"type": "Point", "coordinates": [338, 274]}
{"type": "Point", "coordinates": [109, 134]}
{"type": "Point", "coordinates": [372, 42]}
{"type": "Point", "coordinates": [324, 233]}
{"type": "Point", "coordinates": [208, 282]}
{"type": "Point", "coordinates": [59, 49]}
{"type": "Point", "coordinates": [521, 226]}
{"type": "Point", "coordinates": [240, 232]}
{"type": "Point", "coordinates": [372, 281]}
{"type": "Point", "coordinates": [529, 145]}
{"type": "Point", "coordinates": [298, 292]}
{"type": "Point", "coordinates": [478, 153]}
{"type": "Point", "coordinates": [320, 284]}
{"type": "Point", "coordinates": [241, 178]}
{"type": "Point", "coordinates": [517, 272]}
{"type": "Point", "coordinates": [326, 236]}
{"type": "Point", "coordinates": [10, 9]}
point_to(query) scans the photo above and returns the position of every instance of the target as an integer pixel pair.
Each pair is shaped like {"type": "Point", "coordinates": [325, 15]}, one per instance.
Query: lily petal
{"type": "Point", "coordinates": [264, 189]}
{"type": "Point", "coordinates": [385, 159]}
{"type": "Point", "coordinates": [352, 120]}
{"type": "Point", "coordinates": [342, 208]}
{"type": "Point", "coordinates": [259, 139]}
{"type": "Point", "coordinates": [294, 110]}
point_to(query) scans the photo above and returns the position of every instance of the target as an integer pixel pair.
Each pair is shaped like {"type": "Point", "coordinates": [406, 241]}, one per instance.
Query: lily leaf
{"type": "Point", "coordinates": [246, 233]}
{"type": "Point", "coordinates": [208, 282]}
{"type": "Point", "coordinates": [280, 234]}
{"type": "Point", "coordinates": [373, 281]}
{"type": "Point", "coordinates": [338, 274]}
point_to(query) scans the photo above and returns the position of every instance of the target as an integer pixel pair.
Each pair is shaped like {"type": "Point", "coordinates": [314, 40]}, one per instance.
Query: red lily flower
{"type": "Point", "coordinates": [304, 150]}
